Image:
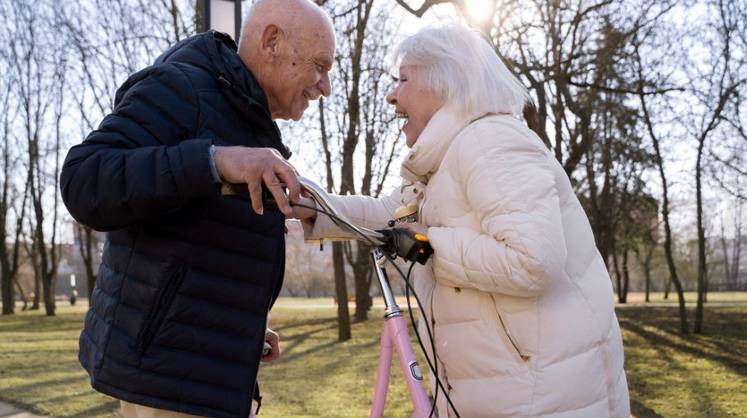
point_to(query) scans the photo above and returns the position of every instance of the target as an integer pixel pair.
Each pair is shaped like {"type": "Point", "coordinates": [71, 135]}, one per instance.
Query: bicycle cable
{"type": "Point", "coordinates": [433, 368]}
{"type": "Point", "coordinates": [409, 287]}
{"type": "Point", "coordinates": [417, 335]}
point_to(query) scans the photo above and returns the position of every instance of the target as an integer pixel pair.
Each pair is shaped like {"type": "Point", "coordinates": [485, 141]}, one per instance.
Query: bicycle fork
{"type": "Point", "coordinates": [395, 336]}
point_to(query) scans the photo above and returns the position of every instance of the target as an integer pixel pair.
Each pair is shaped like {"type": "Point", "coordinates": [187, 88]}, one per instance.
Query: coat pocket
{"type": "Point", "coordinates": [161, 305]}
{"type": "Point", "coordinates": [521, 353]}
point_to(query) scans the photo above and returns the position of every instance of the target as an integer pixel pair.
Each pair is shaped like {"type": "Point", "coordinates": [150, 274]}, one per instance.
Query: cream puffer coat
{"type": "Point", "coordinates": [520, 299]}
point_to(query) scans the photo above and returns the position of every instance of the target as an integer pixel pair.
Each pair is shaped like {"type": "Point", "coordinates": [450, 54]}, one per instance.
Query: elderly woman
{"type": "Point", "coordinates": [519, 298]}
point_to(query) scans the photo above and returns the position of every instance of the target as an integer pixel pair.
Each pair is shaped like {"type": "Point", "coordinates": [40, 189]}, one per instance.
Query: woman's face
{"type": "Point", "coordinates": [414, 102]}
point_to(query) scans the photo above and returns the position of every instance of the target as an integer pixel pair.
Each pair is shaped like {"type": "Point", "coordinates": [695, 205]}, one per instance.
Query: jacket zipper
{"type": "Point", "coordinates": [162, 305]}
{"type": "Point", "coordinates": [511, 339]}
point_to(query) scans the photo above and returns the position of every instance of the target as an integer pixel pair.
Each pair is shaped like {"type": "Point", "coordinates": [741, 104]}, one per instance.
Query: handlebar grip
{"type": "Point", "coordinates": [405, 244]}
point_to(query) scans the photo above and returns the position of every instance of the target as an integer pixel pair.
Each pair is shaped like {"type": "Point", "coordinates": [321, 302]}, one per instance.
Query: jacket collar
{"type": "Point", "coordinates": [216, 53]}
{"type": "Point", "coordinates": [426, 155]}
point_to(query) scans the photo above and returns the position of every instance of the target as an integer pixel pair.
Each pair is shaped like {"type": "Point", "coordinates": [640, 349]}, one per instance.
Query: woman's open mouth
{"type": "Point", "coordinates": [403, 117]}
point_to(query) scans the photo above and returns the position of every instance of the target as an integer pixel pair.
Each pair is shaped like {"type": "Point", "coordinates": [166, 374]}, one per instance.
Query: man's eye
{"type": "Point", "coordinates": [320, 68]}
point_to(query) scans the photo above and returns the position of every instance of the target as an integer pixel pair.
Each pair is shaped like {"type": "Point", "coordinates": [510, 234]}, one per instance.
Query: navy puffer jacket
{"type": "Point", "coordinates": [178, 316]}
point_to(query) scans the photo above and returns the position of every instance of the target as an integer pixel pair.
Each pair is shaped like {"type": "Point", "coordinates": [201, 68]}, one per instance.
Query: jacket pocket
{"type": "Point", "coordinates": [161, 306]}
{"type": "Point", "coordinates": [523, 355]}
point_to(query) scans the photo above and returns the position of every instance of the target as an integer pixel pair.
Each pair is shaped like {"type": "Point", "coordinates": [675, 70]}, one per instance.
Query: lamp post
{"type": "Point", "coordinates": [222, 16]}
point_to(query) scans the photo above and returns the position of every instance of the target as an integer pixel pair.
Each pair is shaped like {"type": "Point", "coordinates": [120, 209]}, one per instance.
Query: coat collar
{"type": "Point", "coordinates": [426, 155]}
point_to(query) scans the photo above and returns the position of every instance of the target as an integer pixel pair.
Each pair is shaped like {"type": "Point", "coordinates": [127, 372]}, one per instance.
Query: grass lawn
{"type": "Point", "coordinates": [669, 375]}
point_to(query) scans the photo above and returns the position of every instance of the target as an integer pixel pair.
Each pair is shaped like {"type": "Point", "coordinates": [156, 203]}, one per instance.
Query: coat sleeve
{"type": "Point", "coordinates": [365, 211]}
{"type": "Point", "coordinates": [143, 160]}
{"type": "Point", "coordinates": [520, 248]}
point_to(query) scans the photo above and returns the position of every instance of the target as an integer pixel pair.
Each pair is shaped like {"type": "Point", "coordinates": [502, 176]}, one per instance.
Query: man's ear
{"type": "Point", "coordinates": [272, 37]}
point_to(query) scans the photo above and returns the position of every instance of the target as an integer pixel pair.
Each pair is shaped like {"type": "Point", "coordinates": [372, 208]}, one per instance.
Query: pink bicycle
{"type": "Point", "coordinates": [385, 246]}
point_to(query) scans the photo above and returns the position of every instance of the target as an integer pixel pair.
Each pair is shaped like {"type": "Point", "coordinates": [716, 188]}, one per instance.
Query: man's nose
{"type": "Point", "coordinates": [325, 85]}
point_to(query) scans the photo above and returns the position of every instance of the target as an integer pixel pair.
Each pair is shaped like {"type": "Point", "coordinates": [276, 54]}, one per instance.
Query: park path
{"type": "Point", "coordinates": [10, 411]}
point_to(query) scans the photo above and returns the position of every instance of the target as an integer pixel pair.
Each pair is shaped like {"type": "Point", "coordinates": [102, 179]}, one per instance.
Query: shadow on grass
{"type": "Point", "coordinates": [640, 410]}
{"type": "Point", "coordinates": [314, 321]}
{"type": "Point", "coordinates": [295, 340]}
{"type": "Point", "coordinates": [44, 384]}
{"type": "Point", "coordinates": [653, 335]}
{"type": "Point", "coordinates": [726, 350]}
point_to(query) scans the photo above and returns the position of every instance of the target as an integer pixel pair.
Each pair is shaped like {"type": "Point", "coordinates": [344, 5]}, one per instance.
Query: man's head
{"type": "Point", "coordinates": [289, 46]}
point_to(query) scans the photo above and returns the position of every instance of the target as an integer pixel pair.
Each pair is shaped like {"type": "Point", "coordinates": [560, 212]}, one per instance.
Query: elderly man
{"type": "Point", "coordinates": [178, 318]}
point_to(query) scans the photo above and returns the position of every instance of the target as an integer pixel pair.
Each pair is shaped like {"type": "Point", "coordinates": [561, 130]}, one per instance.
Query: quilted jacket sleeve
{"type": "Point", "coordinates": [366, 211]}
{"type": "Point", "coordinates": [520, 248]}
{"type": "Point", "coordinates": [143, 160]}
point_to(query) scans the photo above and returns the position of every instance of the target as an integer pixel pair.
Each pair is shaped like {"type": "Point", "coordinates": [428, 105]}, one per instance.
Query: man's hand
{"type": "Point", "coordinates": [255, 166]}
{"type": "Point", "coordinates": [272, 338]}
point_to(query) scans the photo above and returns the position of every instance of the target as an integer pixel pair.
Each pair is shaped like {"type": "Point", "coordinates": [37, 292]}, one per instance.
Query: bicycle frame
{"type": "Point", "coordinates": [394, 335]}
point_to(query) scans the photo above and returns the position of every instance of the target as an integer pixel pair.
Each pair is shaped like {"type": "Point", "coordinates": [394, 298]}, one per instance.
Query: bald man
{"type": "Point", "coordinates": [178, 318]}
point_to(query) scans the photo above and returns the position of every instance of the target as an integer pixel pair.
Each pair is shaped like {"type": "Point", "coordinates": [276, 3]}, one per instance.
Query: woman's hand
{"type": "Point", "coordinates": [299, 212]}
{"type": "Point", "coordinates": [415, 228]}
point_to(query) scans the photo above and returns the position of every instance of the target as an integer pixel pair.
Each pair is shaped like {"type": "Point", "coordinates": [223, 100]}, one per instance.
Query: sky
{"type": "Point", "coordinates": [682, 170]}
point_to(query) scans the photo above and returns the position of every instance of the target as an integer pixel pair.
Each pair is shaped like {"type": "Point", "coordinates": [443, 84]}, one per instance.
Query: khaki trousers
{"type": "Point", "coordinates": [131, 410]}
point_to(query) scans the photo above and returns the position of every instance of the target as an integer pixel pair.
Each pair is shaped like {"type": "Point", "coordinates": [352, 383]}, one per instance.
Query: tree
{"type": "Point", "coordinates": [9, 250]}
{"type": "Point", "coordinates": [643, 84]}
{"type": "Point", "coordinates": [39, 64]}
{"type": "Point", "coordinates": [358, 114]}
{"type": "Point", "coordinates": [713, 89]}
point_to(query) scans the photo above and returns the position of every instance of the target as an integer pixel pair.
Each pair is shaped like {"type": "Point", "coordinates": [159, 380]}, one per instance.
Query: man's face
{"type": "Point", "coordinates": [302, 73]}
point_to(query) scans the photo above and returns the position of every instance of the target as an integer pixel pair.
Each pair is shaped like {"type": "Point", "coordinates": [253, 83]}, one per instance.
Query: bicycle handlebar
{"type": "Point", "coordinates": [322, 199]}
{"type": "Point", "coordinates": [397, 242]}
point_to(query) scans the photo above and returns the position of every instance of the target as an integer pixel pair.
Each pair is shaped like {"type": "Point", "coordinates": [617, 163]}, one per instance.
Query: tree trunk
{"type": "Point", "coordinates": [362, 269]}
{"type": "Point", "coordinates": [7, 290]}
{"type": "Point", "coordinates": [85, 239]}
{"type": "Point", "coordinates": [49, 302]}
{"type": "Point", "coordinates": [341, 289]}
{"type": "Point", "coordinates": [22, 295]}
{"type": "Point", "coordinates": [626, 278]}
{"type": "Point", "coordinates": [36, 304]}
{"type": "Point", "coordinates": [665, 206]}
{"type": "Point", "coordinates": [341, 293]}
{"type": "Point", "coordinates": [645, 263]}
{"type": "Point", "coordinates": [647, 272]}
{"type": "Point", "coordinates": [698, 327]}
{"type": "Point", "coordinates": [618, 276]}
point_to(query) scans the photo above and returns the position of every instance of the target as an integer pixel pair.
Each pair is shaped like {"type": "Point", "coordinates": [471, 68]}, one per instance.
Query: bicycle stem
{"type": "Point", "coordinates": [392, 309]}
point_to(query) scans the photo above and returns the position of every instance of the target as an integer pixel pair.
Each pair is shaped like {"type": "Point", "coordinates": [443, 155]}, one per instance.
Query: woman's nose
{"type": "Point", "coordinates": [391, 98]}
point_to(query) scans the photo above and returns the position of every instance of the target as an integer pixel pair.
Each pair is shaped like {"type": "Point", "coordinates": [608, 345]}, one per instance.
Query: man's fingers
{"type": "Point", "coordinates": [273, 185]}
{"type": "Point", "coordinates": [255, 194]}
{"type": "Point", "coordinates": [273, 339]}
{"type": "Point", "coordinates": [289, 176]}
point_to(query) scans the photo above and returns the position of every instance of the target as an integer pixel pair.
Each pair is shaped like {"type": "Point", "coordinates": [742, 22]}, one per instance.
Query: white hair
{"type": "Point", "coordinates": [463, 69]}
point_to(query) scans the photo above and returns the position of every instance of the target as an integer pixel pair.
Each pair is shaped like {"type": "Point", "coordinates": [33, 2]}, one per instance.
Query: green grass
{"type": "Point", "coordinates": [39, 370]}
{"type": "Point", "coordinates": [670, 375]}
{"type": "Point", "coordinates": [675, 375]}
